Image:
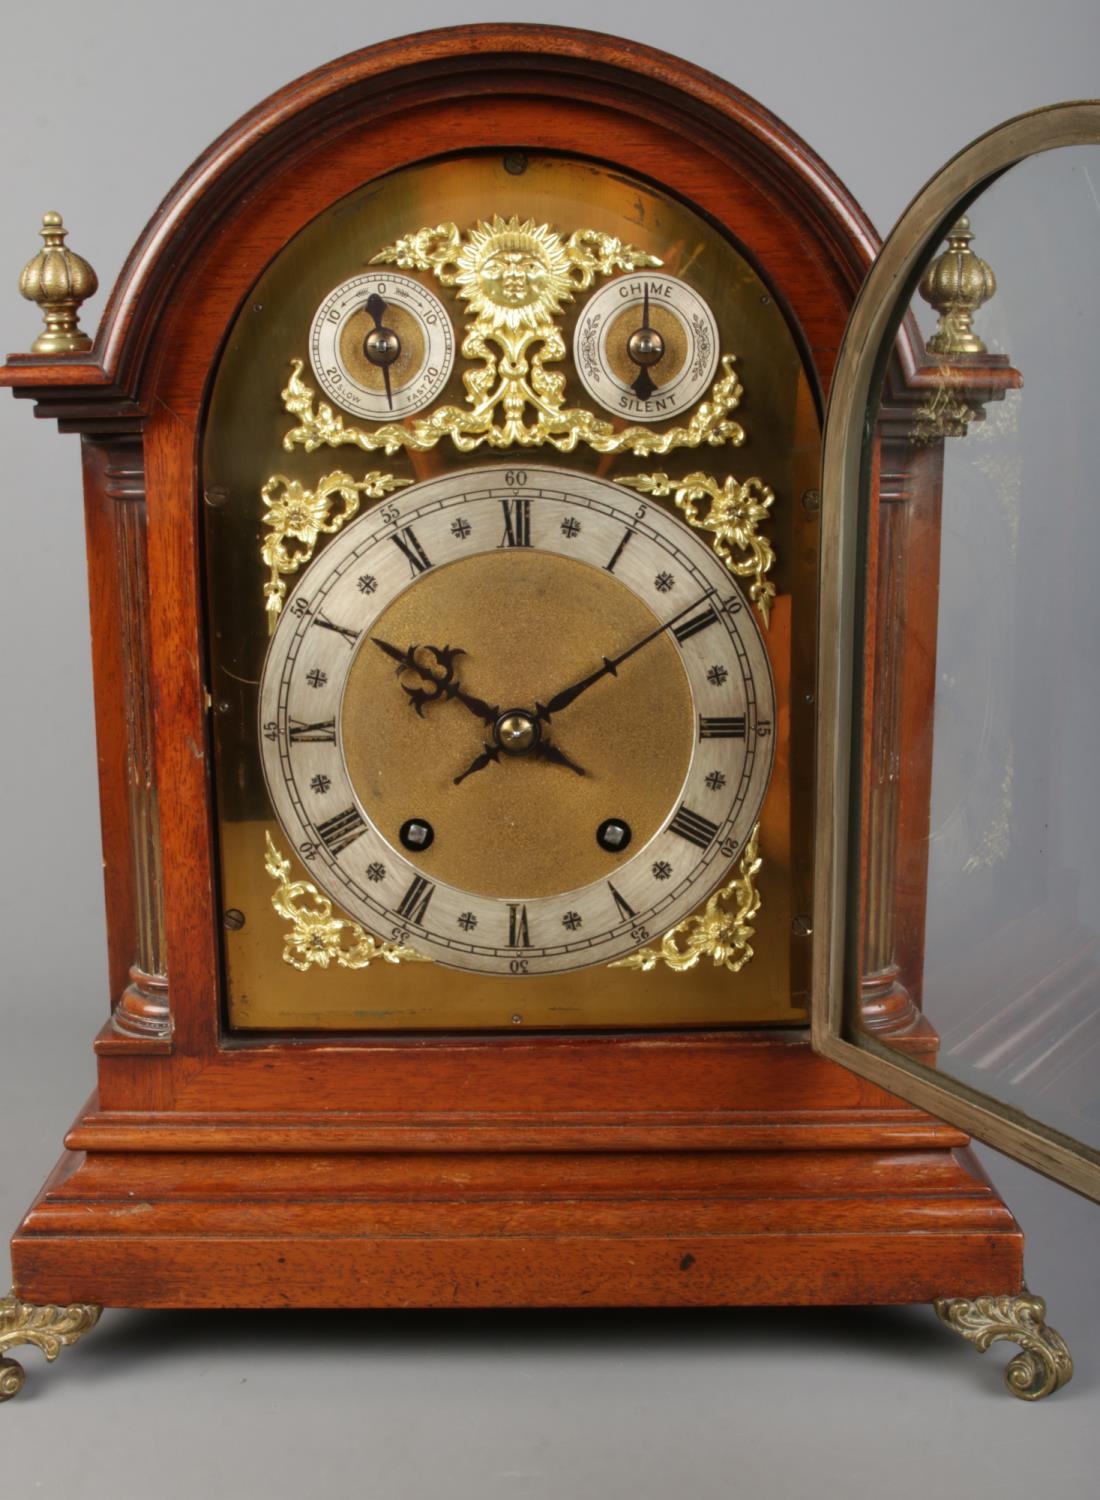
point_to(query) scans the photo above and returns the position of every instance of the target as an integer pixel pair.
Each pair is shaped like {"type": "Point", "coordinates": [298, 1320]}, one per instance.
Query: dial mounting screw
{"type": "Point", "coordinates": [382, 346]}
{"type": "Point", "coordinates": [417, 834]}
{"type": "Point", "coordinates": [613, 835]}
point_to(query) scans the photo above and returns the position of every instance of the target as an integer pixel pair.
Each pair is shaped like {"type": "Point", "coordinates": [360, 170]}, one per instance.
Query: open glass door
{"type": "Point", "coordinates": [957, 901]}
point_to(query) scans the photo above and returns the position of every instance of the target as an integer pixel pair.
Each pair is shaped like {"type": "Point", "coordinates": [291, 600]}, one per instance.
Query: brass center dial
{"type": "Point", "coordinates": [524, 826]}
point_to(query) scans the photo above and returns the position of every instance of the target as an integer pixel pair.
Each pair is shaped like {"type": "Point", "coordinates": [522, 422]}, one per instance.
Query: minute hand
{"type": "Point", "coordinates": [611, 664]}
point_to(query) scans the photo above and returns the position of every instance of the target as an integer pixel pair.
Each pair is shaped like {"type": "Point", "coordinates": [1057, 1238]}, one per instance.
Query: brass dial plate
{"type": "Point", "coordinates": [242, 443]}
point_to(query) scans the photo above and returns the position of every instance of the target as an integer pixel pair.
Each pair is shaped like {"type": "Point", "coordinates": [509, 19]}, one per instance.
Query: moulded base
{"type": "Point", "coordinates": [206, 1229]}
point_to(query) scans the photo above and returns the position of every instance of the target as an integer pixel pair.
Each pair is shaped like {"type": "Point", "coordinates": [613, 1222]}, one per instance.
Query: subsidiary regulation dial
{"type": "Point", "coordinates": [382, 346]}
{"type": "Point", "coordinates": [646, 347]}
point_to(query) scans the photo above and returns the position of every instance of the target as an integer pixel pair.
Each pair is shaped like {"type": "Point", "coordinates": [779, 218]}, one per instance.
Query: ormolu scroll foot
{"type": "Point", "coordinates": [1044, 1361]}
{"type": "Point", "coordinates": [50, 1329]}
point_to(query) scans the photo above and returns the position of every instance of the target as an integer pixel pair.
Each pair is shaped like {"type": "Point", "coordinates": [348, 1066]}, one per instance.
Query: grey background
{"type": "Point", "coordinates": [103, 107]}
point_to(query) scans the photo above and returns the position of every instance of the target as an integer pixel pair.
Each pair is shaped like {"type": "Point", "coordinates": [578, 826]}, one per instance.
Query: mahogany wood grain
{"type": "Point", "coordinates": [472, 1231]}
{"type": "Point", "coordinates": [105, 589]}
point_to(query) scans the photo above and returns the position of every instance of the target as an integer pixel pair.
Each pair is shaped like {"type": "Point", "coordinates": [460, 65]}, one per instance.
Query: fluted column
{"type": "Point", "coordinates": [886, 1005]}
{"type": "Point", "coordinates": [143, 1009]}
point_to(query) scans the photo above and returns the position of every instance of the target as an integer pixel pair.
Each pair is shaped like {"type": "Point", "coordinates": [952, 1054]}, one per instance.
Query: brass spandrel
{"type": "Point", "coordinates": [297, 518]}
{"type": "Point", "coordinates": [314, 935]}
{"type": "Point", "coordinates": [722, 932]}
{"type": "Point", "coordinates": [733, 514]}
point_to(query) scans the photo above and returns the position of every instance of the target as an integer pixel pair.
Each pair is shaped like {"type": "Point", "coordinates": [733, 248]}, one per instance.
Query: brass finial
{"type": "Point", "coordinates": [957, 283]}
{"type": "Point", "coordinates": [59, 280]}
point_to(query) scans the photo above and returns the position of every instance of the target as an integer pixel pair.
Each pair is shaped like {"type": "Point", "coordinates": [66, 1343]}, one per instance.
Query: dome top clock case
{"type": "Point", "coordinates": [461, 509]}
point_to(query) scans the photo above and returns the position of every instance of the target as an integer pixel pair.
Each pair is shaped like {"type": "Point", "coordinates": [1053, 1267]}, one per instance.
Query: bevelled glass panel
{"type": "Point", "coordinates": [979, 804]}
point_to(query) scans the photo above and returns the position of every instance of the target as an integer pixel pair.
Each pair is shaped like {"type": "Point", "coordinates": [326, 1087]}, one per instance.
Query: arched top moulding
{"type": "Point", "coordinates": [458, 88]}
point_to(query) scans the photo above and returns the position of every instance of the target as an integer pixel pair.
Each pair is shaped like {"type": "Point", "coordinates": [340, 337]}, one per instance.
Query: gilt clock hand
{"type": "Point", "coordinates": [382, 345]}
{"type": "Point", "coordinates": [437, 688]}
{"type": "Point", "coordinates": [646, 347]}
{"type": "Point", "coordinates": [610, 665]}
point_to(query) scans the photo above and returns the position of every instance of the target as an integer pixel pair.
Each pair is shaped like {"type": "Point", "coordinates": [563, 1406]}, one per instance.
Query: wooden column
{"type": "Point", "coordinates": [142, 1009]}
{"type": "Point", "coordinates": [924, 405]}
{"type": "Point", "coordinates": [886, 1003]}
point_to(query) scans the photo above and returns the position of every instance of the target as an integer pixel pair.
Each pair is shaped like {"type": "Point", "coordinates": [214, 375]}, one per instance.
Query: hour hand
{"type": "Point", "coordinates": [489, 754]}
{"type": "Point", "coordinates": [435, 666]}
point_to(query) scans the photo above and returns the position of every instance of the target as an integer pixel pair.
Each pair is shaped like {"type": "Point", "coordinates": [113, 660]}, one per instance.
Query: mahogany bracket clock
{"type": "Point", "coordinates": [539, 813]}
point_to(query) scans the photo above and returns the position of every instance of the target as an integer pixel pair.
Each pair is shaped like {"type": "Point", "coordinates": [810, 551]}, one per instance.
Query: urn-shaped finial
{"type": "Point", "coordinates": [957, 283]}
{"type": "Point", "coordinates": [59, 280]}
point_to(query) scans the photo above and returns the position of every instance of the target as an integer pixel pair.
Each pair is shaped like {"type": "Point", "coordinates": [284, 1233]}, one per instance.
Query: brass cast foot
{"type": "Point", "coordinates": [50, 1329]}
{"type": "Point", "coordinates": [1044, 1361]}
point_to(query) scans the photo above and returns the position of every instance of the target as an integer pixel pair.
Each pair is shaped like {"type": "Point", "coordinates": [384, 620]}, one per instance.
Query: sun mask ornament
{"type": "Point", "coordinates": [520, 275]}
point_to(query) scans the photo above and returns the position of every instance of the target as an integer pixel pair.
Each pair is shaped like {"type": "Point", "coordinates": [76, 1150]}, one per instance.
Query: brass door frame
{"type": "Point", "coordinates": [835, 977]}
